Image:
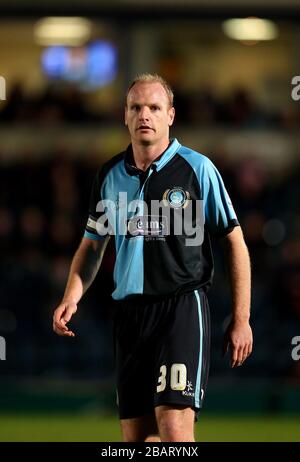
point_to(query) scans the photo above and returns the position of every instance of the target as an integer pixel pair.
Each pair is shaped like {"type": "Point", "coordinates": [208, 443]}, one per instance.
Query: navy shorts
{"type": "Point", "coordinates": [162, 351]}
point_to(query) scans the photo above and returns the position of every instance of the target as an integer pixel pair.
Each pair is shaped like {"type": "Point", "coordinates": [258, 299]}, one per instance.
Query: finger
{"type": "Point", "coordinates": [60, 321]}
{"type": "Point", "coordinates": [234, 356]}
{"type": "Point", "coordinates": [250, 349]}
{"type": "Point", "coordinates": [60, 325]}
{"type": "Point", "coordinates": [58, 312]}
{"type": "Point", "coordinates": [63, 332]}
{"type": "Point", "coordinates": [68, 314]}
{"type": "Point", "coordinates": [245, 352]}
{"type": "Point", "coordinates": [58, 317]}
{"type": "Point", "coordinates": [58, 329]}
{"type": "Point", "coordinates": [242, 355]}
{"type": "Point", "coordinates": [239, 356]}
{"type": "Point", "coordinates": [69, 333]}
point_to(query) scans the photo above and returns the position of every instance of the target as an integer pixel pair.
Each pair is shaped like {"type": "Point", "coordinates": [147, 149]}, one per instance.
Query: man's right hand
{"type": "Point", "coordinates": [62, 316]}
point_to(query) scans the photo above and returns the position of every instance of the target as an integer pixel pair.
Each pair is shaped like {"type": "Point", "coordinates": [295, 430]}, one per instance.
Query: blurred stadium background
{"type": "Point", "coordinates": [62, 118]}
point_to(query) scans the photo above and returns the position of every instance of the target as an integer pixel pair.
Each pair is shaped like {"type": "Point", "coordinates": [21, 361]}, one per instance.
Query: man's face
{"type": "Point", "coordinates": [148, 114]}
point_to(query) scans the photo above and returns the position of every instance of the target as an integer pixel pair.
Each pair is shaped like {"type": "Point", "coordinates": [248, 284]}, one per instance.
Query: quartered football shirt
{"type": "Point", "coordinates": [161, 219]}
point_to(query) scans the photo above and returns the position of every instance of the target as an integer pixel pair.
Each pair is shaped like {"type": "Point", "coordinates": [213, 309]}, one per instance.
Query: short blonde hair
{"type": "Point", "coordinates": [153, 78]}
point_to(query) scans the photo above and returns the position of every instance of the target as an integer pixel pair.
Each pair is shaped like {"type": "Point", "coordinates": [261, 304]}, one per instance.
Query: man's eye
{"type": "Point", "coordinates": [154, 108]}
{"type": "Point", "coordinates": [135, 107]}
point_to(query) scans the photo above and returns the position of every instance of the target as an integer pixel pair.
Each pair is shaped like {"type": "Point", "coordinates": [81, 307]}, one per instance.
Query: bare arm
{"type": "Point", "coordinates": [238, 335]}
{"type": "Point", "coordinates": [84, 267]}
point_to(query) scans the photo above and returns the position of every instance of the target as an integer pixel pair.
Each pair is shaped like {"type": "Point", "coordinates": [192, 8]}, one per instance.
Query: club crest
{"type": "Point", "coordinates": [176, 197]}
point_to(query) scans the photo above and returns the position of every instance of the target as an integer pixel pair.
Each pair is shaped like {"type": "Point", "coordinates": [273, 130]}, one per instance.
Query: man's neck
{"type": "Point", "coordinates": [145, 155]}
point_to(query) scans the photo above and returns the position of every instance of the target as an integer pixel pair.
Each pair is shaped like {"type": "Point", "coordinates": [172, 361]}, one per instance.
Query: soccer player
{"type": "Point", "coordinates": [162, 202]}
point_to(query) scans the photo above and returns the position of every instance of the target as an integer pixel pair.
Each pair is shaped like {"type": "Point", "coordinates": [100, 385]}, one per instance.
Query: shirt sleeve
{"type": "Point", "coordinates": [97, 226]}
{"type": "Point", "coordinates": [220, 217]}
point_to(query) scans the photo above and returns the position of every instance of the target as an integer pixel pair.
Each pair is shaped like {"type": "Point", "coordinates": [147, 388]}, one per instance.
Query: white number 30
{"type": "Point", "coordinates": [177, 378]}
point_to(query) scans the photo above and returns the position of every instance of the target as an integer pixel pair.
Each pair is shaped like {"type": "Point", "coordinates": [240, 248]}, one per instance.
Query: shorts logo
{"type": "Point", "coordinates": [189, 390]}
{"type": "Point", "coordinates": [176, 197]}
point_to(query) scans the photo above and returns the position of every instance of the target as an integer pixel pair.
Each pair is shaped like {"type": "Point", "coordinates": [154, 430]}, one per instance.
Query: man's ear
{"type": "Point", "coordinates": [125, 116]}
{"type": "Point", "coordinates": [171, 116]}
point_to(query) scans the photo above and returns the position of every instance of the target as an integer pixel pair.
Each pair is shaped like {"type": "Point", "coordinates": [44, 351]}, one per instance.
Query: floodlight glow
{"type": "Point", "coordinates": [62, 31]}
{"type": "Point", "coordinates": [250, 29]}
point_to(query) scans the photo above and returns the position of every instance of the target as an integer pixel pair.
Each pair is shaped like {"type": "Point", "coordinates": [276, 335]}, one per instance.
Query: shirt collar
{"type": "Point", "coordinates": [163, 159]}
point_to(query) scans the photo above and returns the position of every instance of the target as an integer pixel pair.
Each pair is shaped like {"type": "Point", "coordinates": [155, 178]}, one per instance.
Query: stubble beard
{"type": "Point", "coordinates": [146, 143]}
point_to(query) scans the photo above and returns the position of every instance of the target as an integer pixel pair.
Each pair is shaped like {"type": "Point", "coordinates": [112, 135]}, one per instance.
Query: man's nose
{"type": "Point", "coordinates": [144, 113]}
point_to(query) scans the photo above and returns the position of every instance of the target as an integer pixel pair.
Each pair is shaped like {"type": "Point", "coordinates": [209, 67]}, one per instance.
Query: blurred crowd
{"type": "Point", "coordinates": [59, 102]}
{"type": "Point", "coordinates": [43, 211]}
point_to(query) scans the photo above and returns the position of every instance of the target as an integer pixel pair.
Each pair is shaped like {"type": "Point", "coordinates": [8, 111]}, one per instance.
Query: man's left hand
{"type": "Point", "coordinates": [238, 338]}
